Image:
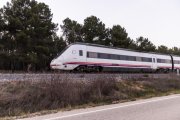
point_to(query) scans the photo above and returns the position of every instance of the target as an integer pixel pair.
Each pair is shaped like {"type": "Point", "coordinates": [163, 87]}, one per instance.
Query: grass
{"type": "Point", "coordinates": [19, 98]}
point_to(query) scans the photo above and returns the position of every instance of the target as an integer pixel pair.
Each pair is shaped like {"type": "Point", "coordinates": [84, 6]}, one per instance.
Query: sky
{"type": "Point", "coordinates": [157, 20]}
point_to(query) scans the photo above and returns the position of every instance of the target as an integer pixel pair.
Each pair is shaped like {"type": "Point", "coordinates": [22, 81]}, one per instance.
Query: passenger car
{"type": "Point", "coordinates": [92, 57]}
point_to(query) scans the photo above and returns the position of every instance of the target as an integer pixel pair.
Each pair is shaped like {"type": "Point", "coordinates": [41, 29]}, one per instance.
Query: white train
{"type": "Point", "coordinates": [92, 57]}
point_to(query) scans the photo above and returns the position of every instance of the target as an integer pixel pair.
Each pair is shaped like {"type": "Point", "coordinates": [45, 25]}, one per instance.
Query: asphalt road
{"type": "Point", "coordinates": [160, 108]}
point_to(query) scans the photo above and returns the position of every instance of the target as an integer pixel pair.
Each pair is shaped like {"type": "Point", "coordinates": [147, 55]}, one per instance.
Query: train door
{"type": "Point", "coordinates": [154, 62]}
{"type": "Point", "coordinates": [82, 53]}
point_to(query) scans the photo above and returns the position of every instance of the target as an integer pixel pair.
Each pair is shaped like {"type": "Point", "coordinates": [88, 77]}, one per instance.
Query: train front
{"type": "Point", "coordinates": [64, 60]}
{"type": "Point", "coordinates": [58, 61]}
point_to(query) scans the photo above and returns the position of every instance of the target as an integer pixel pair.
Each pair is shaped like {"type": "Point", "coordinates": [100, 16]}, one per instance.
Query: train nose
{"type": "Point", "coordinates": [56, 63]}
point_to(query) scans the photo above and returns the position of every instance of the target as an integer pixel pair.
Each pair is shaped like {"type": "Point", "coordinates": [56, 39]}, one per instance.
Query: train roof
{"type": "Point", "coordinates": [97, 45]}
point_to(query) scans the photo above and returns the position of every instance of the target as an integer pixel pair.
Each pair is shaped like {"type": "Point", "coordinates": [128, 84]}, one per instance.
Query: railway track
{"type": "Point", "coordinates": [78, 76]}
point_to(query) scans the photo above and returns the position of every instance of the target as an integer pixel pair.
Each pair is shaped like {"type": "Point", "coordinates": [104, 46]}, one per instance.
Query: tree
{"type": "Point", "coordinates": [72, 31]}
{"type": "Point", "coordinates": [131, 44]}
{"type": "Point", "coordinates": [59, 45]}
{"type": "Point", "coordinates": [29, 33]}
{"type": "Point", "coordinates": [163, 49]}
{"type": "Point", "coordinates": [1, 23]}
{"type": "Point", "coordinates": [143, 44]}
{"type": "Point", "coordinates": [3, 55]}
{"type": "Point", "coordinates": [175, 51]}
{"type": "Point", "coordinates": [94, 31]}
{"type": "Point", "coordinates": [119, 37]}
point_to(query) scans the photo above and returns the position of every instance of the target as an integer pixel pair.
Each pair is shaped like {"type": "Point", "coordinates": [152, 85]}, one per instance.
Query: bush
{"type": "Point", "coordinates": [18, 97]}
{"type": "Point", "coordinates": [26, 96]}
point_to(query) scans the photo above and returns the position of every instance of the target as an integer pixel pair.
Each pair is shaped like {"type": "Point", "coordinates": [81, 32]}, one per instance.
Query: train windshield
{"type": "Point", "coordinates": [61, 52]}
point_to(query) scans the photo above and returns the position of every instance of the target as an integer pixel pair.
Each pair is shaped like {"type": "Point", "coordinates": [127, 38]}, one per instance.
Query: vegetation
{"type": "Point", "coordinates": [29, 40]}
{"type": "Point", "coordinates": [22, 97]}
{"type": "Point", "coordinates": [27, 36]}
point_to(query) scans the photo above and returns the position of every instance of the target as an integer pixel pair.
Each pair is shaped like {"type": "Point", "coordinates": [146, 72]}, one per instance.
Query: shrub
{"type": "Point", "coordinates": [17, 97]}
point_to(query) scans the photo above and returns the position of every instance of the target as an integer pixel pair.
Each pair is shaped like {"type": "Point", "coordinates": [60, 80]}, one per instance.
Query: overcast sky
{"type": "Point", "coordinates": [158, 20]}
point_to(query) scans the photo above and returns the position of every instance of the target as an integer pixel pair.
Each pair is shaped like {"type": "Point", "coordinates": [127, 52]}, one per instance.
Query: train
{"type": "Point", "coordinates": [87, 57]}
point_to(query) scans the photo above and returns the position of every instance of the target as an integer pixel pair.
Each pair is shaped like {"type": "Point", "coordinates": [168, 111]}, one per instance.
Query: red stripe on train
{"type": "Point", "coordinates": [55, 65]}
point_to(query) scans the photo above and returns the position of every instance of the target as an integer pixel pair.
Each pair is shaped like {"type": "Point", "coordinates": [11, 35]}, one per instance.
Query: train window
{"type": "Point", "coordinates": [103, 56]}
{"type": "Point", "coordinates": [128, 58]}
{"type": "Point", "coordinates": [163, 61]}
{"type": "Point", "coordinates": [114, 57]}
{"type": "Point", "coordinates": [131, 58]}
{"type": "Point", "coordinates": [117, 57]}
{"type": "Point", "coordinates": [167, 61]}
{"type": "Point", "coordinates": [80, 53]}
{"type": "Point", "coordinates": [92, 55]}
{"type": "Point", "coordinates": [149, 59]}
{"type": "Point", "coordinates": [176, 62]}
{"type": "Point", "coordinates": [158, 60]}
{"type": "Point", "coordinates": [154, 60]}
{"type": "Point", "coordinates": [74, 52]}
{"type": "Point", "coordinates": [144, 59]}
{"type": "Point", "coordinates": [138, 59]}
{"type": "Point", "coordinates": [122, 57]}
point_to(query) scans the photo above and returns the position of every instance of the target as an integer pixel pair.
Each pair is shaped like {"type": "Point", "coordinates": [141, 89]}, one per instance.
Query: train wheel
{"type": "Point", "coordinates": [167, 71]}
{"type": "Point", "coordinates": [160, 70]}
{"type": "Point", "coordinates": [96, 69]}
{"type": "Point", "coordinates": [81, 69]}
{"type": "Point", "coordinates": [99, 69]}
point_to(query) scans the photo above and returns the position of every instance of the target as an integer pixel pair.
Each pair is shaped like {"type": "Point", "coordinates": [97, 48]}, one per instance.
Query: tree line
{"type": "Point", "coordinates": [29, 40]}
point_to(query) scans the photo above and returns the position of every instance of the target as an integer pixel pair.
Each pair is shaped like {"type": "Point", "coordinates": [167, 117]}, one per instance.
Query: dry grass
{"type": "Point", "coordinates": [22, 97]}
